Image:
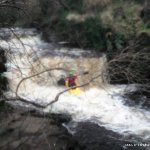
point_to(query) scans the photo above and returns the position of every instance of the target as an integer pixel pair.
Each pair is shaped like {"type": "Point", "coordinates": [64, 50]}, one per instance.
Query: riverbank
{"type": "Point", "coordinates": [29, 129]}
{"type": "Point", "coordinates": [22, 129]}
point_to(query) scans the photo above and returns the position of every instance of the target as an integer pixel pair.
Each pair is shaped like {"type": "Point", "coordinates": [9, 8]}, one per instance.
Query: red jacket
{"type": "Point", "coordinates": [71, 79]}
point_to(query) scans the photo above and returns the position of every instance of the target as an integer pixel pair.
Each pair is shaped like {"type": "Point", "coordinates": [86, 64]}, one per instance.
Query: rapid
{"type": "Point", "coordinates": [103, 105]}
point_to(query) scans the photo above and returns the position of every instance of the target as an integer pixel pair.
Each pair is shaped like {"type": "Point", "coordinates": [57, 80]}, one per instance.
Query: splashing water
{"type": "Point", "coordinates": [103, 106]}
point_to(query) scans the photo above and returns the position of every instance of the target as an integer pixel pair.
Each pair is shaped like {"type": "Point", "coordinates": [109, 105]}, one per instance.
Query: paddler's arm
{"type": "Point", "coordinates": [76, 82]}
{"type": "Point", "coordinates": [66, 83]}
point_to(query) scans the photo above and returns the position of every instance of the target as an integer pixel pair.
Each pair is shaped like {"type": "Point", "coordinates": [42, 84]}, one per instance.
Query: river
{"type": "Point", "coordinates": [102, 105]}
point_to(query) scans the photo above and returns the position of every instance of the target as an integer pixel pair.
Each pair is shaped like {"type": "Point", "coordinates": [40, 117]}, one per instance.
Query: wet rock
{"type": "Point", "coordinates": [61, 118]}
{"type": "Point", "coordinates": [145, 13]}
{"type": "Point", "coordinates": [93, 137]}
{"type": "Point", "coordinates": [140, 98]}
{"type": "Point", "coordinates": [24, 132]}
{"type": "Point", "coordinates": [2, 56]}
{"type": "Point", "coordinates": [61, 82]}
{"type": "Point", "coordinates": [3, 83]}
{"type": "Point", "coordinates": [3, 80]}
{"type": "Point", "coordinates": [18, 142]}
{"type": "Point", "coordinates": [46, 133]}
{"type": "Point", "coordinates": [143, 39]}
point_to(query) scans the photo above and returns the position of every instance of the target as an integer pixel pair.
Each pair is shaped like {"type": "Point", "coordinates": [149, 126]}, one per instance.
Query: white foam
{"type": "Point", "coordinates": [104, 107]}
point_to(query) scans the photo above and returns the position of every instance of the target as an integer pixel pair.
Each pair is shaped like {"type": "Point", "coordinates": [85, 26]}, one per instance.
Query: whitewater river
{"type": "Point", "coordinates": [103, 106]}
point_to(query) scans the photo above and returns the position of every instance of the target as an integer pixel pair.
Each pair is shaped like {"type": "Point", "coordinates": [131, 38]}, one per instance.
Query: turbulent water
{"type": "Point", "coordinates": [102, 105]}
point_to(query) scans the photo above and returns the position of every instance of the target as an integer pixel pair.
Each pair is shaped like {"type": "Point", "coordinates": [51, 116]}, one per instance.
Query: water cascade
{"type": "Point", "coordinates": [99, 102]}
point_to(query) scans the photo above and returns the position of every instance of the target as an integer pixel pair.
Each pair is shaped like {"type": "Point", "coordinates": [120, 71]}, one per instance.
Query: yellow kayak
{"type": "Point", "coordinates": [74, 91]}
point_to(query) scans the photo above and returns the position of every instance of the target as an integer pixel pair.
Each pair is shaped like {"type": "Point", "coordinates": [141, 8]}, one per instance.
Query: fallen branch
{"type": "Point", "coordinates": [22, 100]}
{"type": "Point", "coordinates": [17, 98]}
{"type": "Point", "coordinates": [59, 94]}
{"type": "Point", "coordinates": [34, 76]}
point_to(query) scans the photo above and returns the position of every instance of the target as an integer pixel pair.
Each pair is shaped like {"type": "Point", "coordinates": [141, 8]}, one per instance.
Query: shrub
{"type": "Point", "coordinates": [89, 33]}
{"type": "Point", "coordinates": [75, 5]}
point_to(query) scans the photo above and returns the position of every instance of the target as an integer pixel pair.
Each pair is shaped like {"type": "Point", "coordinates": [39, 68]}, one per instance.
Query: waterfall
{"type": "Point", "coordinates": [99, 102]}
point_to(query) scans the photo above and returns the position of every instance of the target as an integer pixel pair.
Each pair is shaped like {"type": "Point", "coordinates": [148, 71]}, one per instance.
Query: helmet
{"type": "Point", "coordinates": [71, 72]}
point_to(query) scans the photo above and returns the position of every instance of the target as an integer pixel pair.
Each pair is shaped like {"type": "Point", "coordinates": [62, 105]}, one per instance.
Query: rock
{"type": "Point", "coordinates": [18, 142]}
{"type": "Point", "coordinates": [143, 39]}
{"type": "Point", "coordinates": [145, 13]}
{"type": "Point", "coordinates": [30, 132]}
{"type": "Point", "coordinates": [60, 118]}
{"type": "Point", "coordinates": [3, 80]}
{"type": "Point", "coordinates": [93, 137]}
{"type": "Point", "coordinates": [139, 98]}
{"type": "Point", "coordinates": [2, 56]}
{"type": "Point", "coordinates": [61, 82]}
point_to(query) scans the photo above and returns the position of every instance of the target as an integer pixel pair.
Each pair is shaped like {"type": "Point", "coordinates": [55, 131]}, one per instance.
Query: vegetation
{"type": "Point", "coordinates": [119, 28]}
{"type": "Point", "coordinates": [89, 33]}
{"type": "Point", "coordinates": [110, 26]}
{"type": "Point", "coordinates": [102, 25]}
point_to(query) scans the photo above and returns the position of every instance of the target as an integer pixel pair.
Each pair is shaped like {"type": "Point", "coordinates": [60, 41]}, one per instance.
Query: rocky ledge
{"type": "Point", "coordinates": [27, 129]}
